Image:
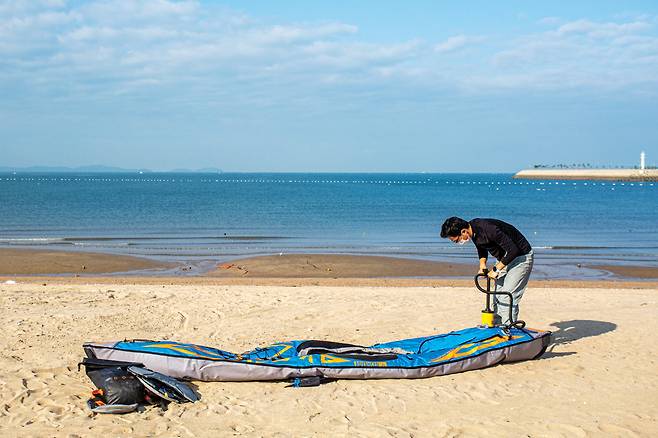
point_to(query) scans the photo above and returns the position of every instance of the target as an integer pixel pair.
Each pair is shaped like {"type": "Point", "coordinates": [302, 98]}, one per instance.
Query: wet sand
{"type": "Point", "coordinates": [40, 262]}
{"type": "Point", "coordinates": [285, 270]}
{"type": "Point", "coordinates": [339, 266]}
{"type": "Point", "coordinates": [630, 271]}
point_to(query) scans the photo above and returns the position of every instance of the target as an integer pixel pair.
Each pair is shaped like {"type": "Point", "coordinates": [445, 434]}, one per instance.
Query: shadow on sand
{"type": "Point", "coordinates": [570, 331]}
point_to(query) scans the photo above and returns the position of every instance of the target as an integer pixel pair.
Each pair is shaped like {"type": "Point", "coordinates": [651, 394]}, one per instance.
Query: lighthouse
{"type": "Point", "coordinates": [642, 161]}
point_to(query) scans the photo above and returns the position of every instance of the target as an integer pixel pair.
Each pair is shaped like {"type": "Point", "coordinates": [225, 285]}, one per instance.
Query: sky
{"type": "Point", "coordinates": [354, 86]}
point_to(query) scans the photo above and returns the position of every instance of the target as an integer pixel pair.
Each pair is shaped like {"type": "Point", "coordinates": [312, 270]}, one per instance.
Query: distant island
{"type": "Point", "coordinates": [589, 172]}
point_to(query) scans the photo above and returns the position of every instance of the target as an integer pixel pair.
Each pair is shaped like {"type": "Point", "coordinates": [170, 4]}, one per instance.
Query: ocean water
{"type": "Point", "coordinates": [205, 218]}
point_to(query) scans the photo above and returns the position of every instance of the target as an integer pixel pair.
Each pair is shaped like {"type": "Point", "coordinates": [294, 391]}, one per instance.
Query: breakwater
{"type": "Point", "coordinates": [590, 174]}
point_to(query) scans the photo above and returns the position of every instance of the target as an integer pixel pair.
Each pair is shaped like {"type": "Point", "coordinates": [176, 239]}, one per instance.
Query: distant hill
{"type": "Point", "coordinates": [97, 169]}
{"type": "Point", "coordinates": [210, 170]}
{"type": "Point", "coordinates": [203, 170]}
{"type": "Point", "coordinates": [91, 169]}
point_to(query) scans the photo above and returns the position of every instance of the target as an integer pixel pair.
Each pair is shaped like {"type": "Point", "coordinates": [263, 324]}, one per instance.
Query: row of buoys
{"type": "Point", "coordinates": [295, 181]}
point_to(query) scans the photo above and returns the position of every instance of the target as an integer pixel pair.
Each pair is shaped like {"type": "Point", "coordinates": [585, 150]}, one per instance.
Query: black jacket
{"type": "Point", "coordinates": [499, 239]}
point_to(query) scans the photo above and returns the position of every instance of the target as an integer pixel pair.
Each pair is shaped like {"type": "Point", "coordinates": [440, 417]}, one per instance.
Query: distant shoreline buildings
{"type": "Point", "coordinates": [586, 171]}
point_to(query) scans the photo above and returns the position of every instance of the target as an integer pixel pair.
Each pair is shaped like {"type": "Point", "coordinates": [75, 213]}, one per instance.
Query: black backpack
{"type": "Point", "coordinates": [124, 386]}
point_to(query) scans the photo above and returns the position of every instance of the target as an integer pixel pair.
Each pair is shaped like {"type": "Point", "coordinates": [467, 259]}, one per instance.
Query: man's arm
{"type": "Point", "coordinates": [511, 250]}
{"type": "Point", "coordinates": [482, 255]}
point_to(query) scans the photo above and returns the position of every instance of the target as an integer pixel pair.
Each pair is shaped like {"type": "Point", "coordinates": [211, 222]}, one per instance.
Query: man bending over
{"type": "Point", "coordinates": [511, 249]}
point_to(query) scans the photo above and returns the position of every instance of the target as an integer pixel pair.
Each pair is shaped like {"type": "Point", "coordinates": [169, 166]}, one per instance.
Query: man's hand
{"type": "Point", "coordinates": [483, 266]}
{"type": "Point", "coordinates": [492, 274]}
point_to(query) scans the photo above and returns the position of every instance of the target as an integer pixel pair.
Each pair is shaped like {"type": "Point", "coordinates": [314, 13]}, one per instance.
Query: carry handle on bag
{"type": "Point", "coordinates": [91, 363]}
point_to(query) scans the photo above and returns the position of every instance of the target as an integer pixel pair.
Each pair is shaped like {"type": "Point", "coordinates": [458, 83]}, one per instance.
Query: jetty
{"type": "Point", "coordinates": [641, 173]}
{"type": "Point", "coordinates": [589, 174]}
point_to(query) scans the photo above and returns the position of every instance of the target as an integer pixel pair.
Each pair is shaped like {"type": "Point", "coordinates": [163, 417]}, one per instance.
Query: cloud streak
{"type": "Point", "coordinates": [456, 42]}
{"type": "Point", "coordinates": [128, 43]}
{"type": "Point", "coordinates": [580, 54]}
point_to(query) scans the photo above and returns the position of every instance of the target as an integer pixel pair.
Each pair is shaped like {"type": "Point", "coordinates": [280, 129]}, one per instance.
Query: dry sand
{"type": "Point", "coordinates": [600, 378]}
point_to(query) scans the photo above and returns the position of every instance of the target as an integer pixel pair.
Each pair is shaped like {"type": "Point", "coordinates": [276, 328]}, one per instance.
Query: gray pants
{"type": "Point", "coordinates": [513, 279]}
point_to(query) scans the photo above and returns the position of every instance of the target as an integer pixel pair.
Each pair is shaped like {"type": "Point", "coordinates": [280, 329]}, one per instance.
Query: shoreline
{"type": "Point", "coordinates": [62, 267]}
{"type": "Point", "coordinates": [200, 281]}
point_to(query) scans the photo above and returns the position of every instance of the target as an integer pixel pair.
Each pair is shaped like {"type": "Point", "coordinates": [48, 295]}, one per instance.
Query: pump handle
{"type": "Point", "coordinates": [477, 282]}
{"type": "Point", "coordinates": [518, 323]}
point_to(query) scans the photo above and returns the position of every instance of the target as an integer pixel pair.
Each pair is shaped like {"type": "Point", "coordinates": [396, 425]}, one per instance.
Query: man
{"type": "Point", "coordinates": [508, 246]}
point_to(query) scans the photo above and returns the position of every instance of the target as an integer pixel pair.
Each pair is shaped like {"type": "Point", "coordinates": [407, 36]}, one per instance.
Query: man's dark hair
{"type": "Point", "coordinates": [453, 227]}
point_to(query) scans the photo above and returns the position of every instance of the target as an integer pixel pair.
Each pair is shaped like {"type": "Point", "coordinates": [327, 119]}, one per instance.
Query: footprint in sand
{"type": "Point", "coordinates": [33, 399]}
{"type": "Point", "coordinates": [183, 320]}
{"type": "Point", "coordinates": [617, 430]}
{"type": "Point", "coordinates": [567, 430]}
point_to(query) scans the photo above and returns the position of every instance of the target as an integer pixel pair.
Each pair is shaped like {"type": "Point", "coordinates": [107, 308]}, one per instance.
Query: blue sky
{"type": "Point", "coordinates": [328, 86]}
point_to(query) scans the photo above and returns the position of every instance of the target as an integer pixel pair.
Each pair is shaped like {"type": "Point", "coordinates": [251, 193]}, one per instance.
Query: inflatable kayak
{"type": "Point", "coordinates": [463, 350]}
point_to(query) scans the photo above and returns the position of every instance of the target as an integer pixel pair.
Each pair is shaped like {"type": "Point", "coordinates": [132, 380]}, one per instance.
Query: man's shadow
{"type": "Point", "coordinates": [570, 331]}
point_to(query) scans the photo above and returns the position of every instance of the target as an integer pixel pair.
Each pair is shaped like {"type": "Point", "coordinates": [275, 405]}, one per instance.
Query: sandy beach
{"type": "Point", "coordinates": [249, 176]}
{"type": "Point", "coordinates": [600, 377]}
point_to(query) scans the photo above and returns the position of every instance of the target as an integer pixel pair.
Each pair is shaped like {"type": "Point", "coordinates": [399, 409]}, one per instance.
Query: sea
{"type": "Point", "coordinates": [201, 219]}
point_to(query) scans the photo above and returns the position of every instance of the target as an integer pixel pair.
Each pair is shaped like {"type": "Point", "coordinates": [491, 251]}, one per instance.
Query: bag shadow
{"type": "Point", "coordinates": [571, 331]}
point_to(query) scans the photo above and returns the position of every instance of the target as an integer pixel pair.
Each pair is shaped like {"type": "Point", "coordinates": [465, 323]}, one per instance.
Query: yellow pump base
{"type": "Point", "coordinates": [487, 318]}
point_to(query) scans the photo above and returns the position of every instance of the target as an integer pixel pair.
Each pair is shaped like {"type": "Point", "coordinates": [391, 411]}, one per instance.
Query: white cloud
{"type": "Point", "coordinates": [108, 47]}
{"type": "Point", "coordinates": [111, 43]}
{"type": "Point", "coordinates": [455, 43]}
{"type": "Point", "coordinates": [601, 30]}
{"type": "Point", "coordinates": [29, 6]}
{"type": "Point", "coordinates": [126, 11]}
{"type": "Point", "coordinates": [577, 54]}
{"type": "Point", "coordinates": [286, 34]}
{"type": "Point", "coordinates": [349, 55]}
